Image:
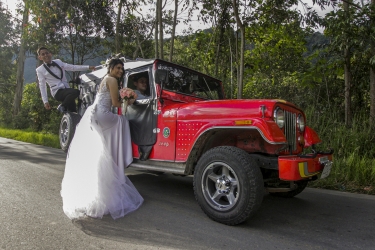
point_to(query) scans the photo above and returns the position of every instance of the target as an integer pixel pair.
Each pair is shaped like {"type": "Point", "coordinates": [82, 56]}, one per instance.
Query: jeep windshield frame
{"type": "Point", "coordinates": [186, 81]}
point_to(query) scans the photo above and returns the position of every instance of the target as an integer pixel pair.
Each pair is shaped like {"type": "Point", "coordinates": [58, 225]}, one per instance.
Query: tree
{"type": "Point", "coordinates": [241, 27]}
{"type": "Point", "coordinates": [349, 29]}
{"type": "Point", "coordinates": [7, 36]}
{"type": "Point", "coordinates": [347, 71]}
{"type": "Point", "coordinates": [156, 39]}
{"type": "Point", "coordinates": [21, 61]}
{"type": "Point", "coordinates": [372, 64]}
{"type": "Point", "coordinates": [135, 29]}
{"type": "Point", "coordinates": [7, 78]}
{"type": "Point", "coordinates": [161, 30]}
{"type": "Point", "coordinates": [117, 34]}
{"type": "Point", "coordinates": [173, 29]}
{"type": "Point", "coordinates": [73, 31]}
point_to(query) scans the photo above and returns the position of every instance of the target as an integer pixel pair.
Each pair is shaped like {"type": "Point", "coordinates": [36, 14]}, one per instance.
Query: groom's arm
{"type": "Point", "coordinates": [71, 67]}
{"type": "Point", "coordinates": [43, 88]}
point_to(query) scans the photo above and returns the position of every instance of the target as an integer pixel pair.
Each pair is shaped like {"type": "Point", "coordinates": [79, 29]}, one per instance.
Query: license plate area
{"type": "Point", "coordinates": [327, 166]}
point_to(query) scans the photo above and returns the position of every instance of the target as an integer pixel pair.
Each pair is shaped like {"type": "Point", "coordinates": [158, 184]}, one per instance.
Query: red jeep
{"type": "Point", "coordinates": [236, 149]}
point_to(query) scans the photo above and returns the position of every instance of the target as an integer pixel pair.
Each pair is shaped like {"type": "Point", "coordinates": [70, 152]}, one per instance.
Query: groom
{"type": "Point", "coordinates": [53, 73]}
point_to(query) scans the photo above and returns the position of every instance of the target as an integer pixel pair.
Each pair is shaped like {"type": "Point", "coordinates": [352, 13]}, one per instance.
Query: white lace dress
{"type": "Point", "coordinates": [94, 182]}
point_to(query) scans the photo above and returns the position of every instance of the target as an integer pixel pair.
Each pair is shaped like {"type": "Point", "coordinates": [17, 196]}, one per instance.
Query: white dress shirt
{"type": "Point", "coordinates": [55, 84]}
{"type": "Point", "coordinates": [140, 96]}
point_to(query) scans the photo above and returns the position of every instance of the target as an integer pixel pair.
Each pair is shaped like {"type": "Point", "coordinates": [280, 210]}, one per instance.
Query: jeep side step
{"type": "Point", "coordinates": [168, 167]}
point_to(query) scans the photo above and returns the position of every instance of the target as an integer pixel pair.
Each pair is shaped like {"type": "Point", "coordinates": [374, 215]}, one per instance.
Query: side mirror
{"type": "Point", "coordinates": [161, 76]}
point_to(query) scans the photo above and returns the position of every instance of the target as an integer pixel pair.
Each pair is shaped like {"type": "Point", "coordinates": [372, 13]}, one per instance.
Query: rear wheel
{"type": "Point", "coordinates": [228, 185]}
{"type": "Point", "coordinates": [68, 125]}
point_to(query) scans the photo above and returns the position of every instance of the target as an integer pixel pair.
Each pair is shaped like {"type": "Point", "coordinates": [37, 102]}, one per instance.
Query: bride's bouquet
{"type": "Point", "coordinates": [126, 94]}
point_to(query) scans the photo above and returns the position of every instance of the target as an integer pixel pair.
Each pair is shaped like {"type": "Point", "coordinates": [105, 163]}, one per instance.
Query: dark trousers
{"type": "Point", "coordinates": [67, 98]}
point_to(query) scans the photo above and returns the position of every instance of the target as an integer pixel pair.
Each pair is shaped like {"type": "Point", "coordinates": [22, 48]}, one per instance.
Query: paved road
{"type": "Point", "coordinates": [31, 214]}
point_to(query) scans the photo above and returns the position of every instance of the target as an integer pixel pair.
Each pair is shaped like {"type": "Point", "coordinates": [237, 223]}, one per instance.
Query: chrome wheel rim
{"type": "Point", "coordinates": [64, 132]}
{"type": "Point", "coordinates": [220, 186]}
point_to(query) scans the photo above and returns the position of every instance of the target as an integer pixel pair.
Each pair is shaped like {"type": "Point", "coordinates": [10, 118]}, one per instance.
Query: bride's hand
{"type": "Point", "coordinates": [131, 101]}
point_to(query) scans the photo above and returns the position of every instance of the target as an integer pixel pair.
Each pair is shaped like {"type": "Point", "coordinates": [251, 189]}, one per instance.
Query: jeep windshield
{"type": "Point", "coordinates": [189, 82]}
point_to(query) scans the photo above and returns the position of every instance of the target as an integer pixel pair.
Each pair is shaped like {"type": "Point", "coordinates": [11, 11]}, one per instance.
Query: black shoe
{"type": "Point", "coordinates": [61, 108]}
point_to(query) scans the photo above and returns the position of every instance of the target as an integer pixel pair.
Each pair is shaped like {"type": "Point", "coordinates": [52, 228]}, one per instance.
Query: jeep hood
{"type": "Point", "coordinates": [229, 109]}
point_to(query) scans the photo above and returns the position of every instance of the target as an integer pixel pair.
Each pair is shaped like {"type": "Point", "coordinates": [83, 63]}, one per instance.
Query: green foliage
{"type": "Point", "coordinates": [7, 32]}
{"type": "Point", "coordinates": [7, 72]}
{"type": "Point", "coordinates": [354, 164]}
{"type": "Point", "coordinates": [6, 101]}
{"type": "Point", "coordinates": [33, 114]}
{"type": "Point", "coordinates": [73, 28]}
{"type": "Point", "coordinates": [275, 63]}
{"type": "Point", "coordinates": [136, 32]}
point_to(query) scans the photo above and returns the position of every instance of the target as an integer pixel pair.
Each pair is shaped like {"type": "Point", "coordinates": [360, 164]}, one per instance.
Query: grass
{"type": "Point", "coordinates": [354, 153]}
{"type": "Point", "coordinates": [352, 174]}
{"type": "Point", "coordinates": [40, 138]}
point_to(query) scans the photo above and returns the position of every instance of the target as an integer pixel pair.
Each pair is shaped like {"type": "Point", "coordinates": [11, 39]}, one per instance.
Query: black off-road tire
{"type": "Point", "coordinates": [68, 125]}
{"type": "Point", "coordinates": [228, 185]}
{"type": "Point", "coordinates": [301, 185]}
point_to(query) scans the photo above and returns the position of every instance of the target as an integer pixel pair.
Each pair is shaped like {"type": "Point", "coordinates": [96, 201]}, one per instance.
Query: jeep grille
{"type": "Point", "coordinates": [290, 130]}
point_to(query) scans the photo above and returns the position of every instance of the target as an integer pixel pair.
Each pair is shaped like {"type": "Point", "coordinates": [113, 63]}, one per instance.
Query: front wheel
{"type": "Point", "coordinates": [228, 185]}
{"type": "Point", "coordinates": [68, 125]}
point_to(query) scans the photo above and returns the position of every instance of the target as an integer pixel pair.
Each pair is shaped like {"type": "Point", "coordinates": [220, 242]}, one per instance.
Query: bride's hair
{"type": "Point", "coordinates": [112, 63]}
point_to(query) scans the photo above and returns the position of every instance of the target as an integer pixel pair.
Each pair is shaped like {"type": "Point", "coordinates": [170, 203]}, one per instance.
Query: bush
{"type": "Point", "coordinates": [6, 102]}
{"type": "Point", "coordinates": [33, 114]}
{"type": "Point", "coordinates": [354, 164]}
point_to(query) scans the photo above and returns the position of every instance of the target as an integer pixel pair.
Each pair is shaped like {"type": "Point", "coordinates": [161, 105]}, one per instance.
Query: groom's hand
{"type": "Point", "coordinates": [47, 106]}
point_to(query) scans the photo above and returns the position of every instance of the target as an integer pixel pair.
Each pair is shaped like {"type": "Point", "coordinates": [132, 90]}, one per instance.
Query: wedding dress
{"type": "Point", "coordinates": [94, 182]}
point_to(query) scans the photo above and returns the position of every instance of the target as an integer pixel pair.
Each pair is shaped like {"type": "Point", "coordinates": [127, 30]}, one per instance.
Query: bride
{"type": "Point", "coordinates": [94, 182]}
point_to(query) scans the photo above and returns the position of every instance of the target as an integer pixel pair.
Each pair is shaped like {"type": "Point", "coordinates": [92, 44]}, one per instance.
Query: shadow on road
{"type": "Point", "coordinates": [38, 154]}
{"type": "Point", "coordinates": [170, 217]}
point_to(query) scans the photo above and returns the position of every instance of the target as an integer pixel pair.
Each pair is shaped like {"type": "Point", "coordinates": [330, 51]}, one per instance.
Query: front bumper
{"type": "Point", "coordinates": [302, 167]}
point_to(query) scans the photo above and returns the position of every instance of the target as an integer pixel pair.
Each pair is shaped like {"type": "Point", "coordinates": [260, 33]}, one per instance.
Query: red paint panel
{"type": "Point", "coordinates": [165, 146]}
{"type": "Point", "coordinates": [311, 137]}
{"type": "Point", "coordinates": [289, 168]}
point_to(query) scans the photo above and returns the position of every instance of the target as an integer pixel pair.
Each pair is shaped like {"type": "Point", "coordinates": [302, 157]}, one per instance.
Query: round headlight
{"type": "Point", "coordinates": [278, 116]}
{"type": "Point", "coordinates": [301, 123]}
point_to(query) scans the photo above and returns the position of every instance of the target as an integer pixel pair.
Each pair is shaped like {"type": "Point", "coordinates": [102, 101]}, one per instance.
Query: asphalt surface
{"type": "Point", "coordinates": [31, 214]}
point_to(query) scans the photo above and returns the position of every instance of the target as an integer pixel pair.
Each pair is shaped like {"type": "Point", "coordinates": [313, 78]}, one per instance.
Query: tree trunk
{"type": "Point", "coordinates": [139, 47]}
{"type": "Point", "coordinates": [156, 29]}
{"type": "Point", "coordinates": [160, 21]}
{"type": "Point", "coordinates": [242, 50]}
{"type": "Point", "coordinates": [237, 60]}
{"type": "Point", "coordinates": [347, 76]}
{"type": "Point", "coordinates": [117, 35]}
{"type": "Point", "coordinates": [372, 73]}
{"type": "Point", "coordinates": [21, 64]}
{"type": "Point", "coordinates": [221, 38]}
{"type": "Point", "coordinates": [72, 43]}
{"type": "Point", "coordinates": [173, 29]}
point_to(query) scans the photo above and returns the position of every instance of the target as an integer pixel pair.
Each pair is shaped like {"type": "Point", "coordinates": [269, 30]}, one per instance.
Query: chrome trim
{"type": "Point", "coordinates": [238, 127]}
{"type": "Point", "coordinates": [158, 168]}
{"type": "Point", "coordinates": [263, 108]}
{"type": "Point", "coordinates": [290, 129]}
{"type": "Point", "coordinates": [299, 120]}
{"type": "Point", "coordinates": [277, 117]}
{"type": "Point", "coordinates": [323, 159]}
